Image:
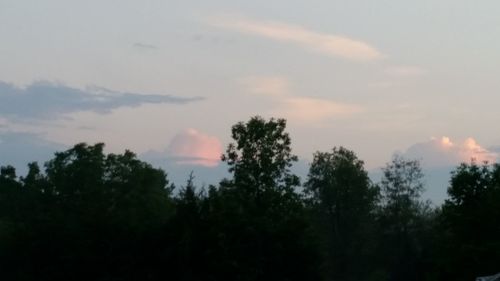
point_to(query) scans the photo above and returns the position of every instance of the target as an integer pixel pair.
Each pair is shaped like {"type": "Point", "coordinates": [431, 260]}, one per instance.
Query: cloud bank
{"type": "Point", "coordinates": [322, 43]}
{"type": "Point", "coordinates": [192, 147]}
{"type": "Point", "coordinates": [443, 152]}
{"type": "Point", "coordinates": [45, 100]}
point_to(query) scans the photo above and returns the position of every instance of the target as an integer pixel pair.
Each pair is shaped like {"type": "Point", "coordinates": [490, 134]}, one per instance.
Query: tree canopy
{"type": "Point", "coordinates": [89, 215]}
{"type": "Point", "coordinates": [261, 155]}
{"type": "Point", "coordinates": [344, 200]}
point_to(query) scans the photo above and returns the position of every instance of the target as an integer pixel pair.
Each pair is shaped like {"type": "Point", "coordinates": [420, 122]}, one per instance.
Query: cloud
{"type": "Point", "coordinates": [440, 156]}
{"type": "Point", "coordinates": [313, 109]}
{"type": "Point", "coordinates": [326, 44]}
{"type": "Point", "coordinates": [299, 109]}
{"type": "Point", "coordinates": [192, 147]}
{"type": "Point", "coordinates": [442, 152]}
{"type": "Point", "coordinates": [45, 100]}
{"type": "Point", "coordinates": [267, 85]}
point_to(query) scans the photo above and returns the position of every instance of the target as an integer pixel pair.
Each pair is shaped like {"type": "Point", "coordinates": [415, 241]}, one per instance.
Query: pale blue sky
{"type": "Point", "coordinates": [374, 76]}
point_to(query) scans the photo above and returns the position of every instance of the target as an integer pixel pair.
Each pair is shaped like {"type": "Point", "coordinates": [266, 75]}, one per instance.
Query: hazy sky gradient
{"type": "Point", "coordinates": [374, 76]}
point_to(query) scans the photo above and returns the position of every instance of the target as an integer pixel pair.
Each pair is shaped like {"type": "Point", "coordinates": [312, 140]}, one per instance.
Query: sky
{"type": "Point", "coordinates": [168, 79]}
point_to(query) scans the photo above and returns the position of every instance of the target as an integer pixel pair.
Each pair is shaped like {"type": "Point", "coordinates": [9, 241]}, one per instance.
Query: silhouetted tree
{"type": "Point", "coordinates": [88, 215]}
{"type": "Point", "coordinates": [261, 157]}
{"type": "Point", "coordinates": [471, 222]}
{"type": "Point", "coordinates": [344, 201]}
{"type": "Point", "coordinates": [264, 233]}
{"type": "Point", "coordinates": [95, 216]}
{"type": "Point", "coordinates": [403, 215]}
{"type": "Point", "coordinates": [189, 246]}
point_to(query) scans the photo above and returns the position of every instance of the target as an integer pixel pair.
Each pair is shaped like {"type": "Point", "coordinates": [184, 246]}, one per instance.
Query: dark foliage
{"type": "Point", "coordinates": [470, 222]}
{"type": "Point", "coordinates": [88, 215]}
{"type": "Point", "coordinates": [343, 201]}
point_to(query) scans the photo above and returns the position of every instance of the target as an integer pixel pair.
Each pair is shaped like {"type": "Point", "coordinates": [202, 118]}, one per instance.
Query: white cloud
{"type": "Point", "coordinates": [442, 152]}
{"type": "Point", "coordinates": [195, 148]}
{"type": "Point", "coordinates": [323, 43]}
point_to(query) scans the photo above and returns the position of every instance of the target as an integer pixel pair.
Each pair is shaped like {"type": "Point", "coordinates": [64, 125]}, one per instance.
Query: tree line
{"type": "Point", "coordinates": [88, 215]}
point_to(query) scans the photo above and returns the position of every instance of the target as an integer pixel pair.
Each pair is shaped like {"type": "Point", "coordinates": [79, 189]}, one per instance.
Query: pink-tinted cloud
{"type": "Point", "coordinates": [441, 152]}
{"type": "Point", "coordinates": [195, 148]}
{"type": "Point", "coordinates": [323, 43]}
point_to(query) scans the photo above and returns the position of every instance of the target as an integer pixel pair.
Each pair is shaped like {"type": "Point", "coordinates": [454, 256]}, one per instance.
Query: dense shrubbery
{"type": "Point", "coordinates": [92, 216]}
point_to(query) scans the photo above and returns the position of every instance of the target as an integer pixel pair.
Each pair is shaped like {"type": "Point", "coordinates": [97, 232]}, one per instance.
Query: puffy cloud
{"type": "Point", "coordinates": [195, 148]}
{"type": "Point", "coordinates": [45, 100]}
{"type": "Point", "coordinates": [313, 109]}
{"type": "Point", "coordinates": [442, 152]}
{"type": "Point", "coordinates": [472, 150]}
{"type": "Point", "coordinates": [327, 44]}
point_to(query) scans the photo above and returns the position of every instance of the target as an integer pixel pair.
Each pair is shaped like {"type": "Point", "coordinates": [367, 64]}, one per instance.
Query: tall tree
{"type": "Point", "coordinates": [261, 157]}
{"type": "Point", "coordinates": [403, 214]}
{"type": "Point", "coordinates": [470, 222]}
{"type": "Point", "coordinates": [189, 247]}
{"type": "Point", "coordinates": [262, 229]}
{"type": "Point", "coordinates": [344, 201]}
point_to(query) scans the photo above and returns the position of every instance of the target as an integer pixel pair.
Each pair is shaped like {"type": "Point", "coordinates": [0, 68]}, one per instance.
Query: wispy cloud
{"type": "Point", "coordinates": [45, 100]}
{"type": "Point", "coordinates": [323, 43]}
{"type": "Point", "coordinates": [298, 108]}
{"type": "Point", "coordinates": [315, 110]}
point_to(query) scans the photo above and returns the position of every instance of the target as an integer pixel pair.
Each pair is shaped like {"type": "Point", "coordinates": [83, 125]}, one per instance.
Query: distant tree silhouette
{"type": "Point", "coordinates": [403, 215]}
{"type": "Point", "coordinates": [89, 215]}
{"type": "Point", "coordinates": [94, 216]}
{"type": "Point", "coordinates": [344, 202]}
